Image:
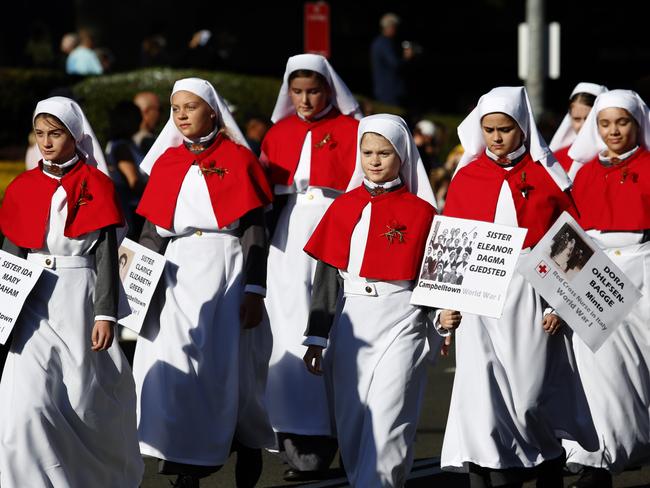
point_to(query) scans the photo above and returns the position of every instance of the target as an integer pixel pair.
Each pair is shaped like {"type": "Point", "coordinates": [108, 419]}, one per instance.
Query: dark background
{"type": "Point", "coordinates": [468, 46]}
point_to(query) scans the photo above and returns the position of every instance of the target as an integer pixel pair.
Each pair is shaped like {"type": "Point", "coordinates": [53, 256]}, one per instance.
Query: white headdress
{"type": "Point", "coordinates": [565, 135]}
{"type": "Point", "coordinates": [588, 144]}
{"type": "Point", "coordinates": [172, 137]}
{"type": "Point", "coordinates": [342, 97]}
{"type": "Point", "coordinates": [395, 130]}
{"type": "Point", "coordinates": [512, 101]}
{"type": "Point", "coordinates": [70, 114]}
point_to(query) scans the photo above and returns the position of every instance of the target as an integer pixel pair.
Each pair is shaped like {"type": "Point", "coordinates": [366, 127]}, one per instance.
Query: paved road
{"type": "Point", "coordinates": [426, 471]}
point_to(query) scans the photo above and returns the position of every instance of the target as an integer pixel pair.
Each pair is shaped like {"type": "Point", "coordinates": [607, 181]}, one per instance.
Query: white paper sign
{"type": "Point", "coordinates": [578, 279]}
{"type": "Point", "coordinates": [468, 266]}
{"type": "Point", "coordinates": [17, 279]}
{"type": "Point", "coordinates": [140, 271]}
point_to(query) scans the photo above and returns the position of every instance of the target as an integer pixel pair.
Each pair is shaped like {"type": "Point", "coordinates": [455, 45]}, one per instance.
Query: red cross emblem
{"type": "Point", "coordinates": [542, 269]}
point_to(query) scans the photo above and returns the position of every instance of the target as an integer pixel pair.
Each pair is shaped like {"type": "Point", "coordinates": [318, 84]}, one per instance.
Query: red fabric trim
{"type": "Point", "coordinates": [25, 212]}
{"type": "Point", "coordinates": [562, 155]}
{"type": "Point", "coordinates": [382, 260]}
{"type": "Point", "coordinates": [615, 198]}
{"type": "Point", "coordinates": [474, 193]}
{"type": "Point", "coordinates": [333, 152]}
{"type": "Point", "coordinates": [234, 177]}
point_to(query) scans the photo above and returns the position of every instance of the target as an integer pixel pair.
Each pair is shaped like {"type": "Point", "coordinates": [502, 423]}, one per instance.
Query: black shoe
{"type": "Point", "coordinates": [593, 478]}
{"type": "Point", "coordinates": [292, 474]}
{"type": "Point", "coordinates": [186, 481]}
{"type": "Point", "coordinates": [248, 467]}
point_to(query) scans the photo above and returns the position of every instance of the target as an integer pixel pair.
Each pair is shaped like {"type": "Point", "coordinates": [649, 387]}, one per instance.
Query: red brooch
{"type": "Point", "coordinates": [625, 174]}
{"type": "Point", "coordinates": [395, 232]}
{"type": "Point", "coordinates": [326, 140]}
{"type": "Point", "coordinates": [523, 186]}
{"type": "Point", "coordinates": [211, 168]}
{"type": "Point", "coordinates": [84, 196]}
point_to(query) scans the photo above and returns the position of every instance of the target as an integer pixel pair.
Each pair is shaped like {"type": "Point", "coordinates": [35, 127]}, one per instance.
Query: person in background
{"type": "Point", "coordinates": [387, 60]}
{"type": "Point", "coordinates": [580, 102]}
{"type": "Point", "coordinates": [310, 156]}
{"type": "Point", "coordinates": [256, 128]}
{"type": "Point", "coordinates": [149, 104]}
{"type": "Point", "coordinates": [83, 59]}
{"type": "Point", "coordinates": [424, 135]}
{"type": "Point", "coordinates": [612, 190]}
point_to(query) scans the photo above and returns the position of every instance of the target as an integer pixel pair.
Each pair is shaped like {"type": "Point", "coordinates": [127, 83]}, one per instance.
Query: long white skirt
{"type": "Point", "coordinates": [617, 377]}
{"type": "Point", "coordinates": [186, 360]}
{"type": "Point", "coordinates": [375, 366]}
{"type": "Point", "coordinates": [516, 390]}
{"type": "Point", "coordinates": [292, 391]}
{"type": "Point", "coordinates": [67, 414]}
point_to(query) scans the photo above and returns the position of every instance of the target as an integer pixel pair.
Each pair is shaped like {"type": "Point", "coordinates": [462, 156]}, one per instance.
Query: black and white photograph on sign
{"type": "Point", "coordinates": [124, 261]}
{"type": "Point", "coordinates": [569, 251]}
{"type": "Point", "coordinates": [448, 253]}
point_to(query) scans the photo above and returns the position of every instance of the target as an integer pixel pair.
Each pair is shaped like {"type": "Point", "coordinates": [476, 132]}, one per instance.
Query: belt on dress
{"type": "Point", "coordinates": [53, 262]}
{"type": "Point", "coordinates": [374, 289]}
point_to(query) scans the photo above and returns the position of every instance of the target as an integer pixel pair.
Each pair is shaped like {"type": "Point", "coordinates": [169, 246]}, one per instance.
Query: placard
{"type": "Point", "coordinates": [468, 266]}
{"type": "Point", "coordinates": [17, 279]}
{"type": "Point", "coordinates": [140, 270]}
{"type": "Point", "coordinates": [576, 278]}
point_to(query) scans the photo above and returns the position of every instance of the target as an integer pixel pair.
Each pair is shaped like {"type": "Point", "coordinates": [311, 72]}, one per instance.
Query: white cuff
{"type": "Point", "coordinates": [547, 311]}
{"type": "Point", "coordinates": [105, 317]}
{"type": "Point", "coordinates": [315, 341]}
{"type": "Point", "coordinates": [257, 289]}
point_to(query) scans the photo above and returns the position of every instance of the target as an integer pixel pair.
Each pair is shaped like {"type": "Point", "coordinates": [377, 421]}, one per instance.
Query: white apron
{"type": "Point", "coordinates": [515, 389]}
{"type": "Point", "coordinates": [616, 378]}
{"type": "Point", "coordinates": [291, 390]}
{"type": "Point", "coordinates": [186, 362]}
{"type": "Point", "coordinates": [67, 414]}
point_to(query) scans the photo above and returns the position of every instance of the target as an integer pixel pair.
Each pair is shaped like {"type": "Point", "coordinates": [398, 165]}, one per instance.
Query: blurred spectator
{"type": "Point", "coordinates": [424, 135]}
{"type": "Point", "coordinates": [69, 42]}
{"type": "Point", "coordinates": [256, 127]}
{"type": "Point", "coordinates": [149, 105]}
{"type": "Point", "coordinates": [367, 107]}
{"type": "Point", "coordinates": [106, 59]}
{"type": "Point", "coordinates": [39, 50]}
{"type": "Point", "coordinates": [453, 158]}
{"type": "Point", "coordinates": [123, 158]}
{"type": "Point", "coordinates": [83, 60]}
{"type": "Point", "coordinates": [153, 51]}
{"type": "Point", "coordinates": [387, 60]}
{"type": "Point", "coordinates": [440, 179]}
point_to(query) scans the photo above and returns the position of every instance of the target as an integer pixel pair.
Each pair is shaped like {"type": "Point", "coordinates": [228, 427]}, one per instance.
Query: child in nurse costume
{"type": "Point", "coordinates": [580, 102]}
{"type": "Point", "coordinates": [310, 157]}
{"type": "Point", "coordinates": [67, 398]}
{"type": "Point", "coordinates": [514, 391]}
{"type": "Point", "coordinates": [204, 209]}
{"type": "Point", "coordinates": [372, 239]}
{"type": "Point", "coordinates": [612, 193]}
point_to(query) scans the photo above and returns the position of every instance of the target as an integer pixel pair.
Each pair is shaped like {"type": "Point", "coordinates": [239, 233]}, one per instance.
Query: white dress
{"type": "Point", "coordinates": [376, 371]}
{"type": "Point", "coordinates": [67, 414]}
{"type": "Point", "coordinates": [291, 390]}
{"type": "Point", "coordinates": [516, 390]}
{"type": "Point", "coordinates": [186, 362]}
{"type": "Point", "coordinates": [616, 378]}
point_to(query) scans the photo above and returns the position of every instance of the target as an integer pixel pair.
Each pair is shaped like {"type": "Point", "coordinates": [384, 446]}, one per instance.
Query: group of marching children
{"type": "Point", "coordinates": [283, 316]}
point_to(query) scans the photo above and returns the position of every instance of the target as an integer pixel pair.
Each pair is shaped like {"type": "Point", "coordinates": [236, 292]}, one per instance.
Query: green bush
{"type": "Point", "coordinates": [20, 89]}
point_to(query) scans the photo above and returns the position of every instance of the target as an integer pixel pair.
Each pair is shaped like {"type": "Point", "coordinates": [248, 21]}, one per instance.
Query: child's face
{"type": "Point", "coordinates": [618, 129]}
{"type": "Point", "coordinates": [54, 141]}
{"type": "Point", "coordinates": [192, 115]}
{"type": "Point", "coordinates": [379, 159]}
{"type": "Point", "coordinates": [308, 95]}
{"type": "Point", "coordinates": [501, 133]}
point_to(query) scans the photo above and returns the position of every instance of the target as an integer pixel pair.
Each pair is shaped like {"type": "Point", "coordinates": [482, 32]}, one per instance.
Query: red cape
{"type": "Point", "coordinates": [562, 155]}
{"type": "Point", "coordinates": [333, 152]}
{"type": "Point", "coordinates": [615, 198]}
{"type": "Point", "coordinates": [399, 210]}
{"type": "Point", "coordinates": [235, 180]}
{"type": "Point", "coordinates": [25, 211]}
{"type": "Point", "coordinates": [474, 193]}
